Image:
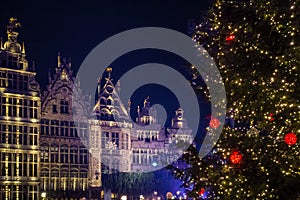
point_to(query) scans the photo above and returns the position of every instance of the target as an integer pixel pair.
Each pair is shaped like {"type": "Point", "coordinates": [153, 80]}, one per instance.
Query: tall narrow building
{"type": "Point", "coordinates": [63, 143]}
{"type": "Point", "coordinates": [19, 121]}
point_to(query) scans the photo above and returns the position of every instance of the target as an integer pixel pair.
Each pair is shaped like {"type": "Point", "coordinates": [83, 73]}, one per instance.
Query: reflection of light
{"type": "Point", "coordinates": [154, 164]}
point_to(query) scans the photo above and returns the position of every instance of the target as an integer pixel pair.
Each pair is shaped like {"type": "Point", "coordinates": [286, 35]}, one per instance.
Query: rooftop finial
{"type": "Point", "coordinates": [70, 63]}
{"type": "Point", "coordinates": [109, 70]}
{"type": "Point", "coordinates": [23, 48]}
{"type": "Point", "coordinates": [58, 60]}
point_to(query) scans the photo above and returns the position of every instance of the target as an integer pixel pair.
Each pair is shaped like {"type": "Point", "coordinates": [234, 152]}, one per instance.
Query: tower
{"type": "Point", "coordinates": [19, 121]}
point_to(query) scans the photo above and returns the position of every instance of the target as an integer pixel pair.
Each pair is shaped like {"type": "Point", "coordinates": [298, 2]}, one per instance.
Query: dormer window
{"type": "Point", "coordinates": [64, 106]}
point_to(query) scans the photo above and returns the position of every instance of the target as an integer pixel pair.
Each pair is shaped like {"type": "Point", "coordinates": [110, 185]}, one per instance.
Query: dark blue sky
{"type": "Point", "coordinates": [75, 28]}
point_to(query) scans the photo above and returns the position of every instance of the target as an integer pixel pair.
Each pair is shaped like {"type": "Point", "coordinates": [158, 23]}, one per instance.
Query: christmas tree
{"type": "Point", "coordinates": [255, 44]}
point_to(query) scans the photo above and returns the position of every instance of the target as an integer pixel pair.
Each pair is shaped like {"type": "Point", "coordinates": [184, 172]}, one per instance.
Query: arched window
{"type": "Point", "coordinates": [74, 179]}
{"type": "Point", "coordinates": [64, 179]}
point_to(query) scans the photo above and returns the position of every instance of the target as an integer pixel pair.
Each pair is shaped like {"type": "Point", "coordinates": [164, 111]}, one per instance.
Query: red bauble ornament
{"type": "Point", "coordinates": [290, 139]}
{"type": "Point", "coordinates": [230, 37]}
{"type": "Point", "coordinates": [202, 191]}
{"type": "Point", "coordinates": [271, 117]}
{"type": "Point", "coordinates": [214, 123]}
{"type": "Point", "coordinates": [236, 157]}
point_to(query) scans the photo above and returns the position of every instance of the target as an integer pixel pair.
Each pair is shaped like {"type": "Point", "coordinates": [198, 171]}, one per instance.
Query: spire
{"type": "Point", "coordinates": [118, 86]}
{"type": "Point", "coordinates": [70, 63]}
{"type": "Point", "coordinates": [58, 60]}
{"type": "Point", "coordinates": [99, 88]}
{"type": "Point", "coordinates": [108, 70]}
{"type": "Point", "coordinates": [49, 75]}
{"type": "Point", "coordinates": [23, 48]}
{"type": "Point", "coordinates": [147, 102]}
{"type": "Point", "coordinates": [129, 106]}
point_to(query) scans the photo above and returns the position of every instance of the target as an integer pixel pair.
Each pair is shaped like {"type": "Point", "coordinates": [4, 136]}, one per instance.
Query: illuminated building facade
{"type": "Point", "coordinates": [43, 150]}
{"type": "Point", "coordinates": [19, 121]}
{"type": "Point", "coordinates": [64, 156]}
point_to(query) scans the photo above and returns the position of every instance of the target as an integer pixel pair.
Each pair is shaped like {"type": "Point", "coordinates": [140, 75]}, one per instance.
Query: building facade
{"type": "Point", "coordinates": [45, 153]}
{"type": "Point", "coordinates": [63, 142]}
{"type": "Point", "coordinates": [19, 121]}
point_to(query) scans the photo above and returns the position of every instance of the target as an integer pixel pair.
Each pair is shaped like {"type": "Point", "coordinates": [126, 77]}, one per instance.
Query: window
{"type": "Point", "coordinates": [12, 107]}
{"type": "Point", "coordinates": [64, 106]}
{"type": "Point", "coordinates": [73, 129]}
{"type": "Point", "coordinates": [74, 155]}
{"type": "Point", "coordinates": [44, 127]}
{"type": "Point", "coordinates": [33, 164]}
{"type": "Point", "coordinates": [3, 106]}
{"type": "Point", "coordinates": [54, 128]}
{"type": "Point", "coordinates": [12, 81]}
{"type": "Point", "coordinates": [33, 134]}
{"type": "Point", "coordinates": [115, 138]}
{"type": "Point", "coordinates": [83, 130]}
{"type": "Point", "coordinates": [54, 153]}
{"type": "Point", "coordinates": [83, 155]}
{"type": "Point", "coordinates": [64, 128]}
{"type": "Point", "coordinates": [64, 154]}
{"type": "Point", "coordinates": [33, 109]}
{"type": "Point", "coordinates": [104, 139]}
{"type": "Point", "coordinates": [2, 79]}
{"type": "Point", "coordinates": [54, 108]}
{"type": "Point", "coordinates": [23, 82]}
{"type": "Point", "coordinates": [3, 133]}
{"type": "Point", "coordinates": [44, 153]}
{"type": "Point", "coordinates": [12, 62]}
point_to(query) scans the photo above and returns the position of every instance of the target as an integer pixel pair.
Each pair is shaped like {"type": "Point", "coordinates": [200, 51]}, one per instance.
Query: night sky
{"type": "Point", "coordinates": [75, 28]}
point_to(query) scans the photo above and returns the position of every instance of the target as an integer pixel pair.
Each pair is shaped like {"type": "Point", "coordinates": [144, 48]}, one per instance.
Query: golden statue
{"type": "Point", "coordinates": [12, 24]}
